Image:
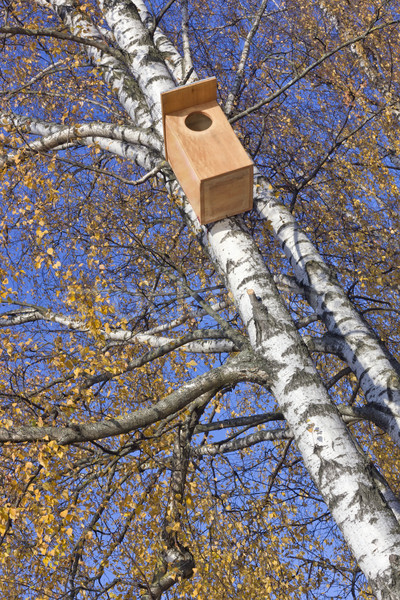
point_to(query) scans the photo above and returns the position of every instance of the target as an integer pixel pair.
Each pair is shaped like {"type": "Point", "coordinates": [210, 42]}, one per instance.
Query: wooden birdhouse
{"type": "Point", "coordinates": [207, 158]}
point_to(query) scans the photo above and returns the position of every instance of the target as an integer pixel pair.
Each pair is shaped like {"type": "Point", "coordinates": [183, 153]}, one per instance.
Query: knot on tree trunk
{"type": "Point", "coordinates": [180, 559]}
{"type": "Point", "coordinates": [176, 563]}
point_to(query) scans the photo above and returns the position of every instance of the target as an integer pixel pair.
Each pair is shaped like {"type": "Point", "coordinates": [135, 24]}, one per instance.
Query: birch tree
{"type": "Point", "coordinates": [203, 411]}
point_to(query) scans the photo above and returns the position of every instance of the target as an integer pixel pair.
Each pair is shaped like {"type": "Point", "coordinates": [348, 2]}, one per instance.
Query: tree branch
{"type": "Point", "coordinates": [311, 67]}
{"type": "Point", "coordinates": [240, 368]}
{"type": "Point", "coordinates": [243, 59]}
{"type": "Point", "coordinates": [62, 35]}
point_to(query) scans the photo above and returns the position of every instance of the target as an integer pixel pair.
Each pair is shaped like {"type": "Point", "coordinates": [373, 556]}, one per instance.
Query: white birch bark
{"type": "Point", "coordinates": [207, 342]}
{"type": "Point", "coordinates": [136, 145]}
{"type": "Point", "coordinates": [127, 89]}
{"type": "Point", "coordinates": [172, 58]}
{"type": "Point", "coordinates": [333, 461]}
{"type": "Point", "coordinates": [187, 66]}
{"type": "Point", "coordinates": [377, 374]}
{"type": "Point", "coordinates": [146, 65]}
{"type": "Point", "coordinates": [328, 451]}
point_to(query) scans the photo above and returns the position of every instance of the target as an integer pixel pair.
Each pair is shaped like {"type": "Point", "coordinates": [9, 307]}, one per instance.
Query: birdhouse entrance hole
{"type": "Point", "coordinates": [198, 121]}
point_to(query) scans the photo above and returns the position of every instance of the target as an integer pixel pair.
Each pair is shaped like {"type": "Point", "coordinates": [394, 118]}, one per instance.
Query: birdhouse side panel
{"type": "Point", "coordinates": [183, 169]}
{"type": "Point", "coordinates": [226, 195]}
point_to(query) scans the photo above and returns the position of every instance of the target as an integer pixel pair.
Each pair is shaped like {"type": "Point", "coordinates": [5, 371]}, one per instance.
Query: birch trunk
{"type": "Point", "coordinates": [333, 461]}
{"type": "Point", "coordinates": [329, 454]}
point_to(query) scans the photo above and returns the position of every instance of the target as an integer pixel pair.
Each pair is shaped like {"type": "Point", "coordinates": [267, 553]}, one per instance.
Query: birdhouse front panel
{"type": "Point", "coordinates": [226, 195]}
{"type": "Point", "coordinates": [207, 158]}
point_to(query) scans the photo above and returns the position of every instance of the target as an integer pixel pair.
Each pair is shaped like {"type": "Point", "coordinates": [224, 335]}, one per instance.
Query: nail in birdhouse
{"type": "Point", "coordinates": [207, 158]}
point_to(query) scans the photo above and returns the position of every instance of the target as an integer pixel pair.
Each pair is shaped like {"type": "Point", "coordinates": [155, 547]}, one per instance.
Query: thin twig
{"type": "Point", "coordinates": [243, 59]}
{"type": "Point", "coordinates": [307, 70]}
{"type": "Point", "coordinates": [162, 13]}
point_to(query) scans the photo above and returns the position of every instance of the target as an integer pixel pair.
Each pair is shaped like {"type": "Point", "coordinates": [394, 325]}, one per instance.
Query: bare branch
{"type": "Point", "coordinates": [198, 341]}
{"type": "Point", "coordinates": [91, 133]}
{"type": "Point", "coordinates": [62, 35]}
{"type": "Point", "coordinates": [264, 435]}
{"type": "Point", "coordinates": [162, 12]}
{"type": "Point", "coordinates": [251, 421]}
{"type": "Point", "coordinates": [307, 70]}
{"type": "Point", "coordinates": [243, 59]}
